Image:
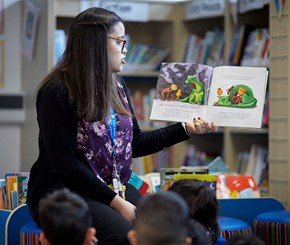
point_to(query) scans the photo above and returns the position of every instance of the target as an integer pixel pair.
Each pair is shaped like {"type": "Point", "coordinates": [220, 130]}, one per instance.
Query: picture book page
{"type": "Point", "coordinates": [237, 96]}
{"type": "Point", "coordinates": [181, 92]}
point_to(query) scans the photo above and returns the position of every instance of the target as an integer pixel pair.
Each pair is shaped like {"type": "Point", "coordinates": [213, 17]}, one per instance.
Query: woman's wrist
{"type": "Point", "coordinates": [116, 203]}
{"type": "Point", "coordinates": [185, 128]}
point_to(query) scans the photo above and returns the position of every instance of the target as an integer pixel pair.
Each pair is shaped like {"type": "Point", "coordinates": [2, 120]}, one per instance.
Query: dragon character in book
{"type": "Point", "coordinates": [240, 96]}
{"type": "Point", "coordinates": [196, 95]}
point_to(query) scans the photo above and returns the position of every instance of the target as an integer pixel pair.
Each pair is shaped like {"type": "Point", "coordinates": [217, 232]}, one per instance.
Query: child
{"type": "Point", "coordinates": [163, 219]}
{"type": "Point", "coordinates": [65, 219]}
{"type": "Point", "coordinates": [202, 203]}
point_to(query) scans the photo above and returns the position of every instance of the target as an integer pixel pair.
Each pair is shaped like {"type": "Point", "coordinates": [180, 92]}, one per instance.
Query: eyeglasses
{"type": "Point", "coordinates": [120, 40]}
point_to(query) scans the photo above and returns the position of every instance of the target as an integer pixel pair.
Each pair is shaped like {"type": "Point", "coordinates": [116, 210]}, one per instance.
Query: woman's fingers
{"type": "Point", "coordinates": [200, 126]}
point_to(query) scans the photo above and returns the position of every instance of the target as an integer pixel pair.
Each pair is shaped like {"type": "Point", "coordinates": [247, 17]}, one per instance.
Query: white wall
{"type": "Point", "coordinates": [18, 142]}
{"type": "Point", "coordinates": [32, 74]}
{"type": "Point", "coordinates": [10, 134]}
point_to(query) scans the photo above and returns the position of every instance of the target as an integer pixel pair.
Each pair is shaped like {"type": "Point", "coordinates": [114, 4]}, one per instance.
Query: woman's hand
{"type": "Point", "coordinates": [123, 207]}
{"type": "Point", "coordinates": [200, 126]}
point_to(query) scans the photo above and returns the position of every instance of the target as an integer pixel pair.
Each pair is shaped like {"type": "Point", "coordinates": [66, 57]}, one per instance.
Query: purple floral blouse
{"type": "Point", "coordinates": [94, 141]}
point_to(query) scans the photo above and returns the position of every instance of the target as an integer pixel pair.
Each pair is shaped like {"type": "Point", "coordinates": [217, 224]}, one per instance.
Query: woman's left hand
{"type": "Point", "coordinates": [200, 126]}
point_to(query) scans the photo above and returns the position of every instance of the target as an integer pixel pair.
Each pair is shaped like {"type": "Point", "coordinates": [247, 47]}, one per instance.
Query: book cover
{"type": "Point", "coordinates": [2, 194]}
{"type": "Point", "coordinates": [22, 186]}
{"type": "Point", "coordinates": [208, 179]}
{"type": "Point", "coordinates": [153, 179]}
{"type": "Point", "coordinates": [11, 188]}
{"type": "Point", "coordinates": [236, 186]}
{"type": "Point", "coordinates": [166, 174]}
{"type": "Point", "coordinates": [230, 96]}
{"type": "Point", "coordinates": [141, 185]}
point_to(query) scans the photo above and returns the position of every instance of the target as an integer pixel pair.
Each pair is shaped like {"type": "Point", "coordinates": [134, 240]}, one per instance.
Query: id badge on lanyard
{"type": "Point", "coordinates": [116, 181]}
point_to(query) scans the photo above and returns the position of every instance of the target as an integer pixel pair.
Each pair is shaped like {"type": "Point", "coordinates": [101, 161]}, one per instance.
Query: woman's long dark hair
{"type": "Point", "coordinates": [85, 67]}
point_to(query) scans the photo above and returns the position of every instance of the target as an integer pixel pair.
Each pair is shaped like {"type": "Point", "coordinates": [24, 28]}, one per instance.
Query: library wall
{"type": "Point", "coordinates": [32, 73]}
{"type": "Point", "coordinates": [10, 133]}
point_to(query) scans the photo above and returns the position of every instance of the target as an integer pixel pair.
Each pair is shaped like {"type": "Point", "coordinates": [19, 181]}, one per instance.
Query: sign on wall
{"type": "Point", "coordinates": [126, 10]}
{"type": "Point", "coordinates": [204, 8]}
{"type": "Point", "coordinates": [31, 18]}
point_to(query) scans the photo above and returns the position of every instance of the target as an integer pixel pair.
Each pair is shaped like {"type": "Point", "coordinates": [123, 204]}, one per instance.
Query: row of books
{"type": "Point", "coordinates": [254, 163]}
{"type": "Point", "coordinates": [208, 50]}
{"type": "Point", "coordinates": [153, 163]}
{"type": "Point", "coordinates": [143, 57]}
{"type": "Point", "coordinates": [192, 156]}
{"type": "Point", "coordinates": [250, 47]}
{"type": "Point", "coordinates": [142, 104]}
{"type": "Point", "coordinates": [139, 57]}
{"type": "Point", "coordinates": [13, 190]}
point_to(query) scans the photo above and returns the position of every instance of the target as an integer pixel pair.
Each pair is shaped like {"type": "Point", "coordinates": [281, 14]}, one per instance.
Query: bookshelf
{"type": "Point", "coordinates": [229, 142]}
{"type": "Point", "coordinates": [168, 28]}
{"type": "Point", "coordinates": [279, 132]}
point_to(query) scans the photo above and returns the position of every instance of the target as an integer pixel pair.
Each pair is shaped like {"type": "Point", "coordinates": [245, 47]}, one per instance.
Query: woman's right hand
{"type": "Point", "coordinates": [123, 207]}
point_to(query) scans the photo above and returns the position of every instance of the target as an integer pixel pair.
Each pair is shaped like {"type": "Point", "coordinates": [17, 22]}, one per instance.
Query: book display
{"type": "Point", "coordinates": [230, 96]}
{"type": "Point", "coordinates": [169, 27]}
{"type": "Point", "coordinates": [13, 190]}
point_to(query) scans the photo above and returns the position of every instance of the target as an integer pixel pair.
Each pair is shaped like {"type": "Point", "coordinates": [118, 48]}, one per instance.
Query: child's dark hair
{"type": "Point", "coordinates": [64, 218]}
{"type": "Point", "coordinates": [202, 202]}
{"type": "Point", "coordinates": [162, 219]}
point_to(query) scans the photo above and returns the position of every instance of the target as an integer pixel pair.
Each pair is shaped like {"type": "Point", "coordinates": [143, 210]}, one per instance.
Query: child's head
{"type": "Point", "coordinates": [202, 203]}
{"type": "Point", "coordinates": [161, 219]}
{"type": "Point", "coordinates": [65, 219]}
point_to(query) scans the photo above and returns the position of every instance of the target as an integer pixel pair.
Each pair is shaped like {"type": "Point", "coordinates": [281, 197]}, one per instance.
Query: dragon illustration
{"type": "Point", "coordinates": [196, 95]}
{"type": "Point", "coordinates": [240, 96]}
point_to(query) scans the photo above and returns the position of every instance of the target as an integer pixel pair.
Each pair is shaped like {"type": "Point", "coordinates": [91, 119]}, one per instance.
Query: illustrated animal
{"type": "Point", "coordinates": [169, 92]}
{"type": "Point", "coordinates": [196, 95]}
{"type": "Point", "coordinates": [240, 96]}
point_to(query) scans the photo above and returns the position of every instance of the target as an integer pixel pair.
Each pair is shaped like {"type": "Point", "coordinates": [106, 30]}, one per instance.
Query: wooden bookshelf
{"type": "Point", "coordinates": [229, 142]}
{"type": "Point", "coordinates": [279, 133]}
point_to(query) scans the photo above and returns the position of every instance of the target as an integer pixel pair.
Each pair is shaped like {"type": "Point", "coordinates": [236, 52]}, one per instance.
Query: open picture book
{"type": "Point", "coordinates": [229, 96]}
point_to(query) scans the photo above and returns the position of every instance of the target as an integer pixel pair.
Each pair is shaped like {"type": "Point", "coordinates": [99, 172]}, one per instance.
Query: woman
{"type": "Point", "coordinates": [88, 132]}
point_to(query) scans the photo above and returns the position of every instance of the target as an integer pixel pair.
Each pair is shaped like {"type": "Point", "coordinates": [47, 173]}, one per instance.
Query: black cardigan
{"type": "Point", "coordinates": [59, 163]}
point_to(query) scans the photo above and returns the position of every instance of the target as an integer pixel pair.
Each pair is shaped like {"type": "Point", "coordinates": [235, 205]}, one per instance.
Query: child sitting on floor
{"type": "Point", "coordinates": [65, 219]}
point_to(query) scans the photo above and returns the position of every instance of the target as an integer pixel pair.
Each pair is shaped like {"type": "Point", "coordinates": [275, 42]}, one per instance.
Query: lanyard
{"type": "Point", "coordinates": [117, 186]}
{"type": "Point", "coordinates": [113, 132]}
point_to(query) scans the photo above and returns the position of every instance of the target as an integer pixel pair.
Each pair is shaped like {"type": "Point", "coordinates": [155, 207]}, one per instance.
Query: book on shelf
{"type": "Point", "coordinates": [266, 114]}
{"type": "Point", "coordinates": [143, 57]}
{"type": "Point", "coordinates": [256, 50]}
{"type": "Point", "coordinates": [229, 96]}
{"type": "Point", "coordinates": [242, 162]}
{"type": "Point", "coordinates": [2, 194]}
{"type": "Point", "coordinates": [239, 43]}
{"type": "Point", "coordinates": [59, 44]}
{"type": "Point", "coordinates": [208, 50]}
{"type": "Point", "coordinates": [257, 163]}
{"type": "Point", "coordinates": [14, 189]}
{"type": "Point", "coordinates": [153, 179]}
